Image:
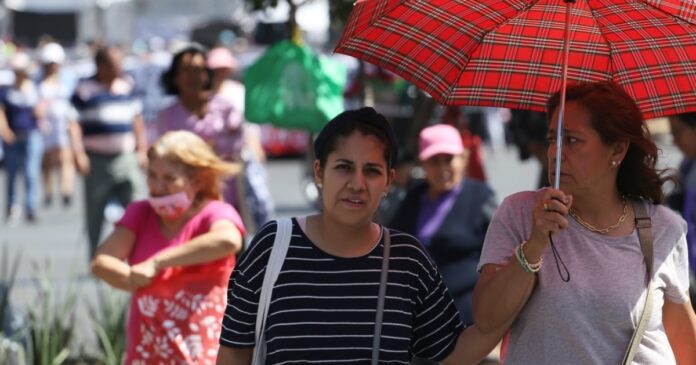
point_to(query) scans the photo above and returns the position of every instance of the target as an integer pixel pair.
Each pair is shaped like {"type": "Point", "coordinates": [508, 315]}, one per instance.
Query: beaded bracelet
{"type": "Point", "coordinates": [532, 268]}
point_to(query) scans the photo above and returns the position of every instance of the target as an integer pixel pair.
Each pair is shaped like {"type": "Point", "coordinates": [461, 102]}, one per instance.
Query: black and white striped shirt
{"type": "Point", "coordinates": [323, 307]}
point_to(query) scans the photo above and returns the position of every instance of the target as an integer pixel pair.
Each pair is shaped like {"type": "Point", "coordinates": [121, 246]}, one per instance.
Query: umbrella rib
{"type": "Point", "coordinates": [450, 91]}
{"type": "Point", "coordinates": [676, 16]}
{"type": "Point", "coordinates": [601, 34]}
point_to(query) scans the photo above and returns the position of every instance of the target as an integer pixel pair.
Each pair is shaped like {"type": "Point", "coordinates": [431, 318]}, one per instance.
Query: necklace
{"type": "Point", "coordinates": [573, 213]}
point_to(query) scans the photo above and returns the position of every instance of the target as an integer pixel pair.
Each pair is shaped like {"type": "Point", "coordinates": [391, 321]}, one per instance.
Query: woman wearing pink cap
{"type": "Point", "coordinates": [448, 213]}
{"type": "Point", "coordinates": [257, 195]}
{"type": "Point", "coordinates": [223, 64]}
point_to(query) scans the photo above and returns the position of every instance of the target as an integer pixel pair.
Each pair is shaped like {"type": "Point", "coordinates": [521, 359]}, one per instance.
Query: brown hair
{"type": "Point", "coordinates": [167, 79]}
{"type": "Point", "coordinates": [616, 117]}
{"type": "Point", "coordinates": [197, 157]}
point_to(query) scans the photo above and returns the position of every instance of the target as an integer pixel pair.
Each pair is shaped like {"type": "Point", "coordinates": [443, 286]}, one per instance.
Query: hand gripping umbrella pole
{"type": "Point", "coordinates": [559, 130]}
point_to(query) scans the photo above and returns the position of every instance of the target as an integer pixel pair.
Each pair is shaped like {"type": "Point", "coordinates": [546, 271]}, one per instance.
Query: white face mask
{"type": "Point", "coordinates": [172, 205]}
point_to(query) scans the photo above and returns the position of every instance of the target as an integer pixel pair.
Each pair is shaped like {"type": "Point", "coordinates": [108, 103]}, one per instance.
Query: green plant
{"type": "Point", "coordinates": [51, 323]}
{"type": "Point", "coordinates": [11, 352]}
{"type": "Point", "coordinates": [8, 273]}
{"type": "Point", "coordinates": [108, 321]}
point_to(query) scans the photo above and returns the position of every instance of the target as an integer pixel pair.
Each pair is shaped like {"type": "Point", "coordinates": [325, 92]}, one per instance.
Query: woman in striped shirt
{"type": "Point", "coordinates": [324, 301]}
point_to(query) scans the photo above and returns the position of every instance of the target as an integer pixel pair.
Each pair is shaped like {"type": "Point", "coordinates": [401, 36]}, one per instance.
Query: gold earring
{"type": "Point", "coordinates": [320, 185]}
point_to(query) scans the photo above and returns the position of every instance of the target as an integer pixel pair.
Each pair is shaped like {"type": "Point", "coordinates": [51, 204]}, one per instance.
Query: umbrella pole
{"type": "Point", "coordinates": [561, 108]}
{"type": "Point", "coordinates": [559, 133]}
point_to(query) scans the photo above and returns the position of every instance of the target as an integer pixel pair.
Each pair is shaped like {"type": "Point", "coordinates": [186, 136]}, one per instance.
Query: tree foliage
{"type": "Point", "coordinates": [339, 10]}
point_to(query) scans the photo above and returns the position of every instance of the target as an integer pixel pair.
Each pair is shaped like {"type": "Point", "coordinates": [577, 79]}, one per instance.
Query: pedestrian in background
{"type": "Point", "coordinates": [448, 212]}
{"type": "Point", "coordinates": [683, 128]}
{"type": "Point", "coordinates": [175, 252]}
{"type": "Point", "coordinates": [528, 133]}
{"type": "Point", "coordinates": [59, 114]}
{"type": "Point", "coordinates": [324, 302]}
{"type": "Point", "coordinates": [257, 195]}
{"type": "Point", "coordinates": [21, 138]}
{"type": "Point", "coordinates": [212, 118]}
{"type": "Point", "coordinates": [403, 180]}
{"type": "Point", "coordinates": [589, 313]}
{"type": "Point", "coordinates": [109, 141]}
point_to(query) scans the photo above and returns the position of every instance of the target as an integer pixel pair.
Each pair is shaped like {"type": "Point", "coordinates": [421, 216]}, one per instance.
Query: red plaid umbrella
{"type": "Point", "coordinates": [509, 52]}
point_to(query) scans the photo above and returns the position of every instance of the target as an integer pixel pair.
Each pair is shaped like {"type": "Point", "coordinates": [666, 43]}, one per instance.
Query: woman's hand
{"type": "Point", "coordinates": [141, 274]}
{"type": "Point", "coordinates": [142, 160]}
{"type": "Point", "coordinates": [82, 163]}
{"type": "Point", "coordinates": [549, 214]}
{"type": "Point", "coordinates": [503, 290]}
{"type": "Point", "coordinates": [8, 137]}
{"type": "Point", "coordinates": [41, 110]}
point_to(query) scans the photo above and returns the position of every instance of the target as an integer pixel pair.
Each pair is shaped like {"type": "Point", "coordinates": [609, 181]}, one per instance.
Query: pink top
{"type": "Point", "coordinates": [142, 220]}
{"type": "Point", "coordinates": [221, 127]}
{"type": "Point", "coordinates": [205, 282]}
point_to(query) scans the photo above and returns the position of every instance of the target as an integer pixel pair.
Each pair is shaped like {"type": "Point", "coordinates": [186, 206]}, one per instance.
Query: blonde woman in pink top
{"type": "Point", "coordinates": [175, 252]}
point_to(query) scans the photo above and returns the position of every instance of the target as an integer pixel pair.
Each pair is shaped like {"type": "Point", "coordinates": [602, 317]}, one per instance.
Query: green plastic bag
{"type": "Point", "coordinates": [291, 87]}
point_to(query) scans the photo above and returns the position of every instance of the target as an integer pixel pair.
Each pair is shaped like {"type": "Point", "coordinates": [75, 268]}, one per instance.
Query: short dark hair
{"type": "Point", "coordinates": [616, 117]}
{"type": "Point", "coordinates": [167, 80]}
{"type": "Point", "coordinates": [103, 52]}
{"type": "Point", "coordinates": [364, 120]}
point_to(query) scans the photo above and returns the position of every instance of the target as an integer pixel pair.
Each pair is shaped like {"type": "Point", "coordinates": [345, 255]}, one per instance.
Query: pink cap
{"type": "Point", "coordinates": [437, 139]}
{"type": "Point", "coordinates": [221, 58]}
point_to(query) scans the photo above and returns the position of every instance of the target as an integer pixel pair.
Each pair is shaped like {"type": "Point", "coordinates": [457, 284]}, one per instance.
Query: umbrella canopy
{"type": "Point", "coordinates": [509, 52]}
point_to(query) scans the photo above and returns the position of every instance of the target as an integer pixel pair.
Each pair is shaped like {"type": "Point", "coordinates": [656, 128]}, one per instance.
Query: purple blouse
{"type": "Point", "coordinates": [221, 127]}
{"type": "Point", "coordinates": [433, 213]}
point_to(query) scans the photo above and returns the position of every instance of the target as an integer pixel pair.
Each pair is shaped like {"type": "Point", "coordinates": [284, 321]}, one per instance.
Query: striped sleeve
{"type": "Point", "coordinates": [437, 323]}
{"type": "Point", "coordinates": [244, 289]}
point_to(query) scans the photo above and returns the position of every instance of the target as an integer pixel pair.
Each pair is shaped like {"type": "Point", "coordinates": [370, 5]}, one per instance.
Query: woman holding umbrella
{"type": "Point", "coordinates": [607, 161]}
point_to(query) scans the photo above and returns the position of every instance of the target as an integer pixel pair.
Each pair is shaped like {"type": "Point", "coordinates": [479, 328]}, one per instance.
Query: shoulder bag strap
{"type": "Point", "coordinates": [382, 294]}
{"type": "Point", "coordinates": [643, 225]}
{"type": "Point", "coordinates": [275, 263]}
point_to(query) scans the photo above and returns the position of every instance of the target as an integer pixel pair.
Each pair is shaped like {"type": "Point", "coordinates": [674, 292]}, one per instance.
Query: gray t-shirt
{"type": "Point", "coordinates": [590, 319]}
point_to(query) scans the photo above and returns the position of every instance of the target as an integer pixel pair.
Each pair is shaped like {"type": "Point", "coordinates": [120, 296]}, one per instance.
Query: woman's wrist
{"type": "Point", "coordinates": [530, 266]}
{"type": "Point", "coordinates": [534, 248]}
{"type": "Point", "coordinates": [157, 263]}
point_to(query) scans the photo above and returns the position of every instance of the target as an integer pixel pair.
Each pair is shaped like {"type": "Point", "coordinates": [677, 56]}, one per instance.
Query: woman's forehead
{"type": "Point", "coordinates": [358, 146]}
{"type": "Point", "coordinates": [577, 118]}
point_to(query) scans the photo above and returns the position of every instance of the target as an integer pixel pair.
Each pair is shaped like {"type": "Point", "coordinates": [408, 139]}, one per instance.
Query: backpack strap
{"type": "Point", "coordinates": [644, 228]}
{"type": "Point", "coordinates": [381, 296]}
{"type": "Point", "coordinates": [275, 263]}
